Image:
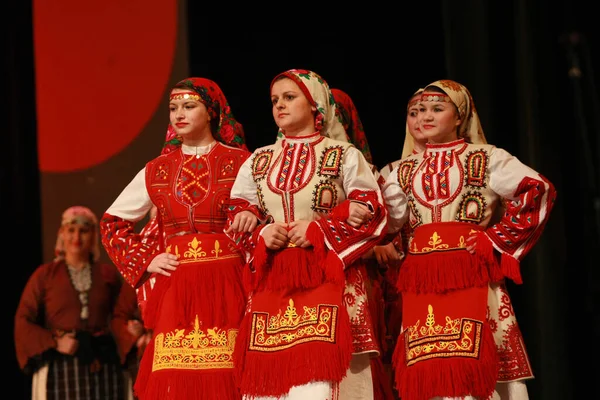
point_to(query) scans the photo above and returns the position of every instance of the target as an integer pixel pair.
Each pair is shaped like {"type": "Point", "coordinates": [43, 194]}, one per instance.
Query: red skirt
{"type": "Point", "coordinates": [195, 316]}
{"type": "Point", "coordinates": [296, 330]}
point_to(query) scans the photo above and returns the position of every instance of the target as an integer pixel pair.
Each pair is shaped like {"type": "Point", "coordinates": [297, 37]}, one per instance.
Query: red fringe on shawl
{"type": "Point", "coordinates": [294, 267]}
{"type": "Point", "coordinates": [511, 268]}
{"type": "Point", "coordinates": [507, 266]}
{"type": "Point", "coordinates": [438, 260]}
{"type": "Point", "coordinates": [331, 263]}
{"type": "Point", "coordinates": [255, 269]}
{"type": "Point", "coordinates": [213, 291]}
{"type": "Point", "coordinates": [438, 272]}
{"type": "Point", "coordinates": [274, 374]}
{"type": "Point", "coordinates": [447, 377]}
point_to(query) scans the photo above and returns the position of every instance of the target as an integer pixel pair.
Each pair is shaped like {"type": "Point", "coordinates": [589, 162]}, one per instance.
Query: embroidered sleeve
{"type": "Point", "coordinates": [360, 184]}
{"type": "Point", "coordinates": [131, 252]}
{"type": "Point", "coordinates": [530, 199]}
{"type": "Point", "coordinates": [127, 249]}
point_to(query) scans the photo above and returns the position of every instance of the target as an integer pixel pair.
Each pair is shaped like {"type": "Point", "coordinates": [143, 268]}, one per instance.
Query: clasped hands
{"type": "Point", "coordinates": [276, 235]}
{"type": "Point", "coordinates": [279, 234]}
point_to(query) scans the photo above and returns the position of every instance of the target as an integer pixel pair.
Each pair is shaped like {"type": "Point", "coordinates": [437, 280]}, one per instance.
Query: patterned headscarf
{"type": "Point", "coordinates": [409, 142]}
{"type": "Point", "coordinates": [318, 94]}
{"type": "Point", "coordinates": [470, 128]}
{"type": "Point", "coordinates": [224, 126]}
{"type": "Point", "coordinates": [82, 216]}
{"type": "Point", "coordinates": [348, 116]}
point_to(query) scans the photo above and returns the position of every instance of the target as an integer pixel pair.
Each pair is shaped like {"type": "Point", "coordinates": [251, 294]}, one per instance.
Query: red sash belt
{"type": "Point", "coordinates": [438, 260]}
{"type": "Point", "coordinates": [201, 248]}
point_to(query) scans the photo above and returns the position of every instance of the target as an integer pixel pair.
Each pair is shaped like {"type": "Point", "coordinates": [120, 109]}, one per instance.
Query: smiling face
{"type": "Point", "coordinates": [292, 111]}
{"type": "Point", "coordinates": [189, 116]}
{"type": "Point", "coordinates": [438, 120]}
{"type": "Point", "coordinates": [78, 239]}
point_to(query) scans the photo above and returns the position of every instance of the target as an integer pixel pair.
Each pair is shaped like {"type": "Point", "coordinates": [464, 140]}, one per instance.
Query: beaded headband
{"type": "Point", "coordinates": [185, 96]}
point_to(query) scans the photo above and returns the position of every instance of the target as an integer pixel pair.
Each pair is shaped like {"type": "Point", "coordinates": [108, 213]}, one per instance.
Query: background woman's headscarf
{"type": "Point", "coordinates": [409, 142]}
{"type": "Point", "coordinates": [319, 95]}
{"type": "Point", "coordinates": [82, 216]}
{"type": "Point", "coordinates": [224, 126]}
{"type": "Point", "coordinates": [348, 116]}
{"type": "Point", "coordinates": [470, 128]}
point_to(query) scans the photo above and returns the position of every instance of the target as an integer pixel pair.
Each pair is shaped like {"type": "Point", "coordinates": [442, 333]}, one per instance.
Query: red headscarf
{"type": "Point", "coordinates": [348, 116]}
{"type": "Point", "coordinates": [226, 129]}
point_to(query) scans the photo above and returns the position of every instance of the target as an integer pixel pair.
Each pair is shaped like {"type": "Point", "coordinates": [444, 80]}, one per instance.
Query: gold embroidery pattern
{"type": "Point", "coordinates": [195, 252]}
{"type": "Point", "coordinates": [282, 331]}
{"type": "Point", "coordinates": [436, 244]}
{"type": "Point", "coordinates": [457, 338]}
{"type": "Point", "coordinates": [198, 349]}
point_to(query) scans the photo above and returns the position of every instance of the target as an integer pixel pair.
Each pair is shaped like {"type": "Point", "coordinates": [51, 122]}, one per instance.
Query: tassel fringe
{"type": "Point", "coordinates": [448, 377]}
{"type": "Point", "coordinates": [439, 272]}
{"type": "Point", "coordinates": [274, 373]}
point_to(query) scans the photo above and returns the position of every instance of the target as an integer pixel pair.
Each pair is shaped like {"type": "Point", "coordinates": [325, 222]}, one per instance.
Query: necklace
{"type": "Point", "coordinates": [82, 282]}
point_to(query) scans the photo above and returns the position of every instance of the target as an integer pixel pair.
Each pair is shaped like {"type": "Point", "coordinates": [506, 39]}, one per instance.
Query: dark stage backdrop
{"type": "Point", "coordinates": [91, 110]}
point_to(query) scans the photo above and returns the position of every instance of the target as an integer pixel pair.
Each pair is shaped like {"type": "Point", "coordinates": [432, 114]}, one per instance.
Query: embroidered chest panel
{"type": "Point", "coordinates": [192, 192]}
{"type": "Point", "coordinates": [448, 186]}
{"type": "Point", "coordinates": [299, 179]}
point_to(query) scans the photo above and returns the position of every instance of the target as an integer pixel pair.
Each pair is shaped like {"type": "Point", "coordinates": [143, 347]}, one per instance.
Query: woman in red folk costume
{"type": "Point", "coordinates": [320, 209]}
{"type": "Point", "coordinates": [366, 308]}
{"type": "Point", "coordinates": [197, 302]}
{"type": "Point", "coordinates": [460, 338]}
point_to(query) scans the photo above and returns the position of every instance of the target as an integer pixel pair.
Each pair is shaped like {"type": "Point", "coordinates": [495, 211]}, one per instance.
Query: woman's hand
{"type": "Point", "coordinates": [358, 214]}
{"type": "Point", "coordinates": [297, 233]}
{"type": "Point", "coordinates": [135, 327]}
{"type": "Point", "coordinates": [275, 235]}
{"type": "Point", "coordinates": [244, 221]}
{"type": "Point", "coordinates": [67, 344]}
{"type": "Point", "coordinates": [386, 254]}
{"type": "Point", "coordinates": [163, 263]}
